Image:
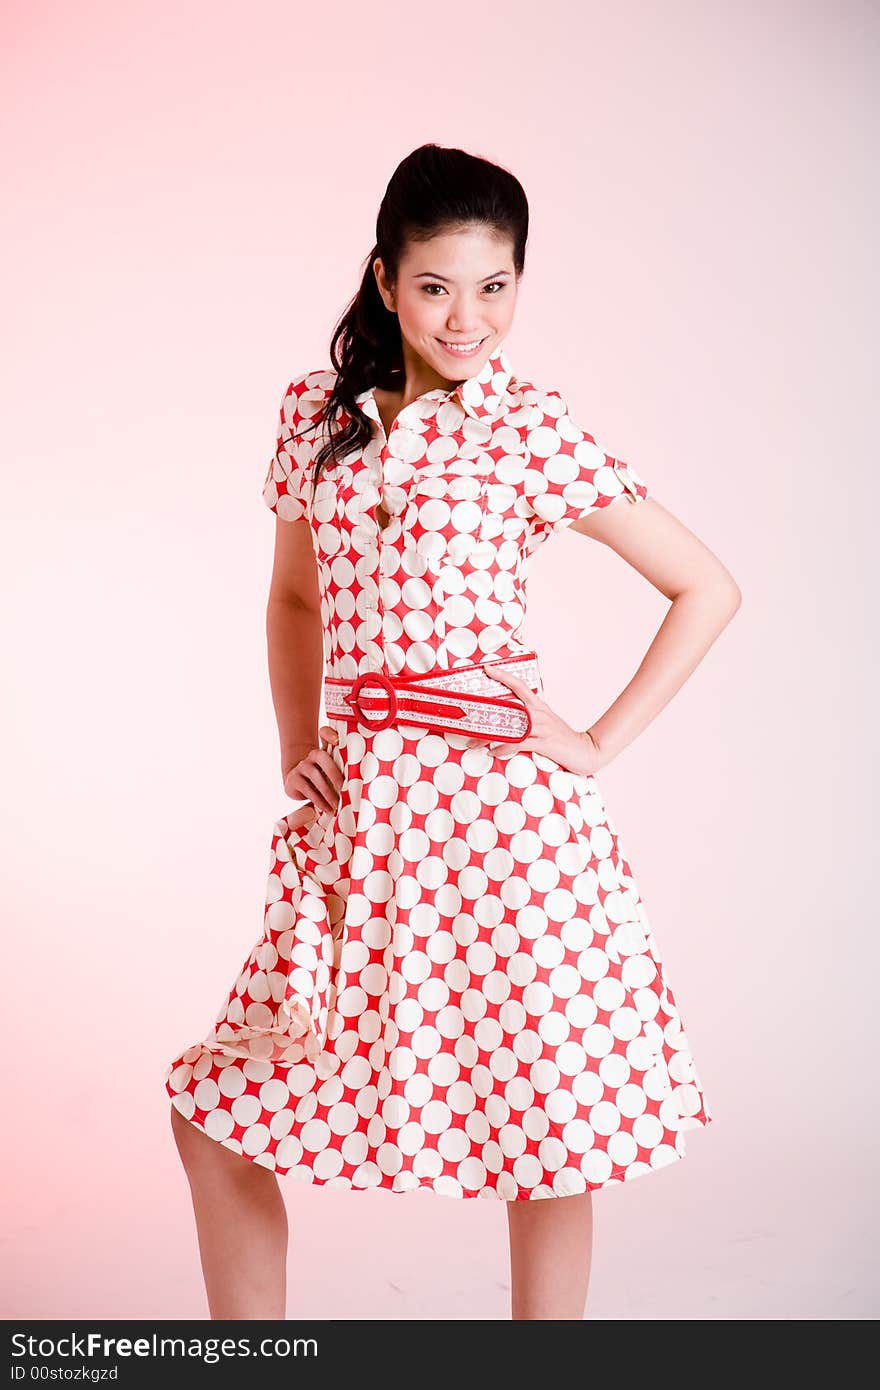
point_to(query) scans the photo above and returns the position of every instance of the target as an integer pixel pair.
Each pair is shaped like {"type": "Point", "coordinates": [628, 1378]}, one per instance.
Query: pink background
{"type": "Point", "coordinates": [194, 189]}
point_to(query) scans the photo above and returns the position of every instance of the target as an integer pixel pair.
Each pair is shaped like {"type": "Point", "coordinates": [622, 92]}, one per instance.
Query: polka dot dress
{"type": "Point", "coordinates": [456, 986]}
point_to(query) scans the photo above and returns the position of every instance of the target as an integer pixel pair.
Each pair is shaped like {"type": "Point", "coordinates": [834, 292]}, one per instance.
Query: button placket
{"type": "Point", "coordinates": [374, 603]}
{"type": "Point", "coordinates": [394, 463]}
{"type": "Point", "coordinates": [379, 545]}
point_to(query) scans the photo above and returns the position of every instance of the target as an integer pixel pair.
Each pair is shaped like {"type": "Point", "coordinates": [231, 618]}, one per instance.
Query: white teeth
{"type": "Point", "coordinates": [461, 347]}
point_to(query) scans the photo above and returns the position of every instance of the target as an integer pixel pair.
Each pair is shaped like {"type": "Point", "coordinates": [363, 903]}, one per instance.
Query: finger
{"type": "Point", "coordinates": [532, 744]}
{"type": "Point", "coordinates": [316, 787]}
{"type": "Point", "coordinates": [299, 789]}
{"type": "Point", "coordinates": [326, 762]}
{"type": "Point", "coordinates": [329, 734]}
{"type": "Point", "coordinates": [519, 687]}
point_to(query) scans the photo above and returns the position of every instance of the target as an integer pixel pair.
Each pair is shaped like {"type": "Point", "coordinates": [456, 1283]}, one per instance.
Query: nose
{"type": "Point", "coordinates": [458, 328]}
{"type": "Point", "coordinates": [463, 321]}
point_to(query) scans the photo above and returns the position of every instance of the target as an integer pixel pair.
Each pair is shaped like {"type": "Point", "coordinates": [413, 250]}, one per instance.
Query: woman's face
{"type": "Point", "coordinates": [458, 288]}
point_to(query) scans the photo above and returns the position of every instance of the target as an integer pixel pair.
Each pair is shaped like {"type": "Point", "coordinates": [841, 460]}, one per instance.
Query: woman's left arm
{"type": "Point", "coordinates": [704, 597]}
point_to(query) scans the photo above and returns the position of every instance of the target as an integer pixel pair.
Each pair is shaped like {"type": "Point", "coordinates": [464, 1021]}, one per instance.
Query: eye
{"type": "Point", "coordinates": [434, 286]}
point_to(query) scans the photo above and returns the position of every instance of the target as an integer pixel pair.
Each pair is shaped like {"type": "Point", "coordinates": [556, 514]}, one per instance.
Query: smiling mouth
{"type": "Point", "coordinates": [463, 349]}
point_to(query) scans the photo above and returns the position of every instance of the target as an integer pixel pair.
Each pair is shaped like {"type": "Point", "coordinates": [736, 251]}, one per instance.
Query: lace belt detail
{"type": "Point", "coordinates": [466, 700]}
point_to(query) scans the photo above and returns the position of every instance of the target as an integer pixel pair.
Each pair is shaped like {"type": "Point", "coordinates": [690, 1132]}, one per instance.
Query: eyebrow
{"type": "Point", "coordinates": [430, 275]}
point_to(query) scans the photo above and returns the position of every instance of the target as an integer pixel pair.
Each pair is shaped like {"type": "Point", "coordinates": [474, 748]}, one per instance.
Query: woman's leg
{"type": "Point", "coordinates": [551, 1243]}
{"type": "Point", "coordinates": [241, 1222]}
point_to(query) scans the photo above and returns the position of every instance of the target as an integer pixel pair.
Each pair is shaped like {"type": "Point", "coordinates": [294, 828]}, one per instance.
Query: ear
{"type": "Point", "coordinates": [382, 284]}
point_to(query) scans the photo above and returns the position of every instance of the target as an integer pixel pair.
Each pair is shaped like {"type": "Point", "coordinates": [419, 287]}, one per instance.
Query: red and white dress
{"type": "Point", "coordinates": [456, 986]}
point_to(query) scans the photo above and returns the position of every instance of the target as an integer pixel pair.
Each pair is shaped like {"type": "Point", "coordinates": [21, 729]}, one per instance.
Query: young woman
{"type": "Point", "coordinates": [456, 987]}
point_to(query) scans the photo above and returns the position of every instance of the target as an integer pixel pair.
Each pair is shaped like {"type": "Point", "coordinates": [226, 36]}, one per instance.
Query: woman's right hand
{"type": "Point", "coordinates": [317, 777]}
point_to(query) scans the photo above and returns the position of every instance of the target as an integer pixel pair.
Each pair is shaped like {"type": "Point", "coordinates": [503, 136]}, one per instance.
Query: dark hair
{"type": "Point", "coordinates": [433, 190]}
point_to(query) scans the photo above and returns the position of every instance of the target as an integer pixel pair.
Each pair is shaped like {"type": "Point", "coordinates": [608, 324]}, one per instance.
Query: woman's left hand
{"type": "Point", "coordinates": [550, 734]}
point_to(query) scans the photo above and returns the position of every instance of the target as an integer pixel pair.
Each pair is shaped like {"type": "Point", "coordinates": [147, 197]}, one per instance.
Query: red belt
{"type": "Point", "coordinates": [464, 700]}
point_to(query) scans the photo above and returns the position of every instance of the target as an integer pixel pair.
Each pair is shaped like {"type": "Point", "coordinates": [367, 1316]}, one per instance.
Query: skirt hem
{"type": "Point", "coordinates": [616, 1178]}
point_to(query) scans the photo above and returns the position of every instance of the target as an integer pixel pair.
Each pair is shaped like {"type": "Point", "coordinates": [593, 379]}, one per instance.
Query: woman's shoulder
{"type": "Point", "coordinates": [310, 389]}
{"type": "Point", "coordinates": [530, 404]}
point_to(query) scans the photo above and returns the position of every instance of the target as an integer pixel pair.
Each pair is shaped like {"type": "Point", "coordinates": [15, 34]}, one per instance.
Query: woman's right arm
{"type": "Point", "coordinates": [295, 641]}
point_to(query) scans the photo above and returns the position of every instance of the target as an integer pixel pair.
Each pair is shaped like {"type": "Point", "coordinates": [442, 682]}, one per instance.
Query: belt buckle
{"type": "Point", "coordinates": [375, 678]}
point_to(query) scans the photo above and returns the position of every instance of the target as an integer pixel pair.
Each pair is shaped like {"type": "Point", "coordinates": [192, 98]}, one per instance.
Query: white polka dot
{"type": "Point", "coordinates": [288, 1152]}
{"type": "Point", "coordinates": [598, 1040]}
{"type": "Point", "coordinates": [315, 1135]}
{"type": "Point", "coordinates": [544, 1076]}
{"type": "Point", "coordinates": [536, 1123]}
{"type": "Point", "coordinates": [593, 963]}
{"type": "Point", "coordinates": [596, 1166]}
{"type": "Point", "coordinates": [552, 1153]}
{"type": "Point", "coordinates": [571, 1058]}
{"type": "Point", "coordinates": [179, 1078]}
{"type": "Point", "coordinates": [207, 1095]}
{"type": "Point", "coordinates": [614, 1070]}
{"type": "Point", "coordinates": [184, 1104]}
{"type": "Point", "coordinates": [342, 1118]}
{"type": "Point", "coordinates": [219, 1124]}
{"type": "Point", "coordinates": [587, 1088]}
{"type": "Point", "coordinates": [280, 1124]}
{"type": "Point", "coordinates": [436, 1116]}
{"type": "Point", "coordinates": [527, 1170]}
{"type": "Point", "coordinates": [622, 1149]}
{"type": "Point", "coordinates": [578, 1136]}
{"type": "Point", "coordinates": [247, 1110]}
{"type": "Point", "coordinates": [255, 1139]}
{"type": "Point", "coordinates": [647, 1131]}
{"type": "Point", "coordinates": [274, 1095]}
{"type": "Point", "coordinates": [605, 1117]}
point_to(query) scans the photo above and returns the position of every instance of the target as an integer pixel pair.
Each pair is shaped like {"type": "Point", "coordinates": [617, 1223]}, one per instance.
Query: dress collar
{"type": "Point", "coordinates": [480, 396]}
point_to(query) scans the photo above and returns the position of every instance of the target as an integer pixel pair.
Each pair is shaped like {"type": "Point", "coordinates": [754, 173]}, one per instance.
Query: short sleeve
{"type": "Point", "coordinates": [288, 477]}
{"type": "Point", "coordinates": [569, 474]}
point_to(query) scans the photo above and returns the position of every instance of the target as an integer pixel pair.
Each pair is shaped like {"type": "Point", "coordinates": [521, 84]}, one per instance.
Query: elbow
{"type": "Point", "coordinates": [718, 592]}
{"type": "Point", "coordinates": [731, 595]}
{"type": "Point", "coordinates": [726, 593]}
{"type": "Point", "coordinates": [717, 589]}
{"type": "Point", "coordinates": [726, 597]}
{"type": "Point", "coordinates": [286, 599]}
